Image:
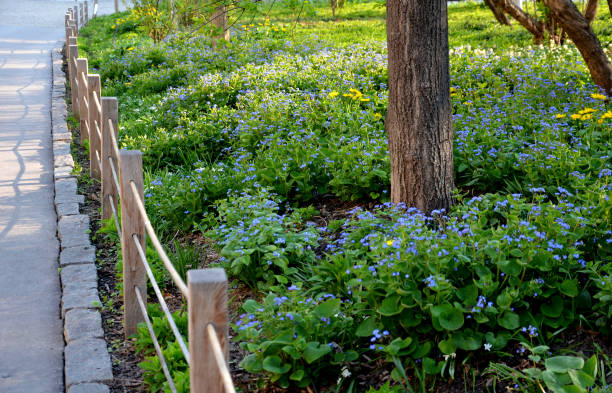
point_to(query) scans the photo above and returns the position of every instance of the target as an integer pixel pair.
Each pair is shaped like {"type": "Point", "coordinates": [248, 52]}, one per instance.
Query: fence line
{"type": "Point", "coordinates": [121, 176]}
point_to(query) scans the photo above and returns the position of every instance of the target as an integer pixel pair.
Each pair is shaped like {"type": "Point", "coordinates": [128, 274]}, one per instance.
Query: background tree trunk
{"type": "Point", "coordinates": [590, 11]}
{"type": "Point", "coordinates": [418, 120]}
{"type": "Point", "coordinates": [220, 21]}
{"type": "Point", "coordinates": [610, 6]}
{"type": "Point", "coordinates": [498, 13]}
{"type": "Point", "coordinates": [578, 30]}
{"type": "Point", "coordinates": [533, 25]}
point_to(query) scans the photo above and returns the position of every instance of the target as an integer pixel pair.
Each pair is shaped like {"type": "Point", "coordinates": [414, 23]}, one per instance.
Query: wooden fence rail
{"type": "Point", "coordinates": [121, 177]}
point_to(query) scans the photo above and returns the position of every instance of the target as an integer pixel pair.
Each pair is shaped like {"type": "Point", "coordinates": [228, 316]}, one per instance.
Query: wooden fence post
{"type": "Point", "coordinates": [86, 12]}
{"type": "Point", "coordinates": [82, 93]}
{"type": "Point", "coordinates": [95, 126]}
{"type": "Point", "coordinates": [75, 14]}
{"type": "Point", "coordinates": [74, 53]}
{"type": "Point", "coordinates": [109, 111]}
{"type": "Point", "coordinates": [207, 304]}
{"type": "Point", "coordinates": [134, 273]}
{"type": "Point", "coordinates": [81, 18]}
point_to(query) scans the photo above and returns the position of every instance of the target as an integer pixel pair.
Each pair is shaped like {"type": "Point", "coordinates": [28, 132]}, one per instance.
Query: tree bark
{"type": "Point", "coordinates": [498, 13]}
{"type": "Point", "coordinates": [578, 30]}
{"type": "Point", "coordinates": [590, 11]}
{"type": "Point", "coordinates": [220, 21]}
{"type": "Point", "coordinates": [532, 25]}
{"type": "Point", "coordinates": [610, 6]}
{"type": "Point", "coordinates": [418, 120]}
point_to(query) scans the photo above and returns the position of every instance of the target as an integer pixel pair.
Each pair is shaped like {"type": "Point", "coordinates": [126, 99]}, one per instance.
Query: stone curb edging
{"type": "Point", "coordinates": [87, 365]}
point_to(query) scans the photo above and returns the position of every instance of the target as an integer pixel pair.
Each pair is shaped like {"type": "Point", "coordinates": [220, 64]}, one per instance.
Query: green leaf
{"type": "Point", "coordinates": [366, 327]}
{"type": "Point", "coordinates": [554, 308]}
{"type": "Point", "coordinates": [350, 356]}
{"type": "Point", "coordinates": [569, 288]}
{"type": "Point", "coordinates": [450, 318]}
{"type": "Point", "coordinates": [327, 308]}
{"type": "Point", "coordinates": [390, 306]}
{"type": "Point", "coordinates": [468, 294]}
{"type": "Point", "coordinates": [274, 364]}
{"type": "Point", "coordinates": [251, 363]}
{"type": "Point", "coordinates": [581, 379]}
{"type": "Point", "coordinates": [517, 253]}
{"type": "Point", "coordinates": [590, 366]}
{"type": "Point", "coordinates": [447, 346]}
{"type": "Point", "coordinates": [291, 351]}
{"type": "Point", "coordinates": [467, 340]}
{"type": "Point", "coordinates": [250, 306]}
{"type": "Point", "coordinates": [297, 375]}
{"type": "Point", "coordinates": [314, 351]}
{"type": "Point", "coordinates": [430, 367]}
{"type": "Point", "coordinates": [509, 320]}
{"type": "Point", "coordinates": [511, 267]}
{"type": "Point", "coordinates": [561, 364]}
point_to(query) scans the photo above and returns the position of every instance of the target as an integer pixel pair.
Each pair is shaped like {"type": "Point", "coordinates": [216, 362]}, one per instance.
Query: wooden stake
{"type": "Point", "coordinates": [207, 304]}
{"type": "Point", "coordinates": [134, 273]}
{"type": "Point", "coordinates": [81, 74]}
{"type": "Point", "coordinates": [95, 123]}
{"type": "Point", "coordinates": [74, 53]}
{"type": "Point", "coordinates": [109, 111]}
{"type": "Point", "coordinates": [75, 14]}
{"type": "Point", "coordinates": [86, 12]}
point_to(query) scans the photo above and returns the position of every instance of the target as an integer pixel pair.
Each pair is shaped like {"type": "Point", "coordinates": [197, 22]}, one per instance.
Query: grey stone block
{"type": "Point", "coordinates": [66, 186]}
{"type": "Point", "coordinates": [89, 388]}
{"type": "Point", "coordinates": [87, 360]}
{"type": "Point", "coordinates": [67, 195]}
{"type": "Point", "coordinates": [73, 298]}
{"type": "Point", "coordinates": [62, 136]}
{"type": "Point", "coordinates": [73, 231]}
{"type": "Point", "coordinates": [62, 172]}
{"type": "Point", "coordinates": [76, 277]}
{"type": "Point", "coordinates": [61, 147]}
{"type": "Point", "coordinates": [81, 323]}
{"type": "Point", "coordinates": [67, 209]}
{"type": "Point", "coordinates": [63, 160]}
{"type": "Point", "coordinates": [77, 255]}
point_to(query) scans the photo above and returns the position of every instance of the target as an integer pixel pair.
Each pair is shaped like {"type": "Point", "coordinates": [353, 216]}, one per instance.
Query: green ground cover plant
{"type": "Point", "coordinates": [241, 142]}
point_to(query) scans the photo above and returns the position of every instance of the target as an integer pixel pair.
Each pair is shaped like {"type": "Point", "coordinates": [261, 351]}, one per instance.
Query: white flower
{"type": "Point", "coordinates": [487, 347]}
{"type": "Point", "coordinates": [346, 372]}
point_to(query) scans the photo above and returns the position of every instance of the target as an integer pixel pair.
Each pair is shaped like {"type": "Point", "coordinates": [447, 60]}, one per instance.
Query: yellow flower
{"type": "Point", "coordinates": [576, 116]}
{"type": "Point", "coordinates": [607, 115]}
{"type": "Point", "coordinates": [389, 242]}
{"type": "Point", "coordinates": [333, 94]}
{"type": "Point", "coordinates": [364, 99]}
{"type": "Point", "coordinates": [560, 115]}
{"type": "Point", "coordinates": [598, 96]}
{"type": "Point", "coordinates": [347, 95]}
{"type": "Point", "coordinates": [586, 110]}
{"type": "Point", "coordinates": [130, 48]}
{"type": "Point", "coordinates": [586, 117]}
{"type": "Point", "coordinates": [468, 103]}
{"type": "Point", "coordinates": [377, 116]}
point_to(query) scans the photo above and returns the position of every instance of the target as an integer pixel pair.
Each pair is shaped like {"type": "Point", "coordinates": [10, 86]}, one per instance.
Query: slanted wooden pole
{"type": "Point", "coordinates": [95, 125]}
{"type": "Point", "coordinates": [134, 274]}
{"type": "Point", "coordinates": [83, 94]}
{"type": "Point", "coordinates": [86, 12]}
{"type": "Point", "coordinates": [109, 111]}
{"type": "Point", "coordinates": [207, 304]}
{"type": "Point", "coordinates": [74, 53]}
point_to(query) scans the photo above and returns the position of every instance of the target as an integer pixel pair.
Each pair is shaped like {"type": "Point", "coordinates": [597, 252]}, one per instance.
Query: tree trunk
{"type": "Point", "coordinates": [498, 13]}
{"type": "Point", "coordinates": [591, 10]}
{"type": "Point", "coordinates": [418, 120]}
{"type": "Point", "coordinates": [533, 25]}
{"type": "Point", "coordinates": [578, 30]}
{"type": "Point", "coordinates": [610, 7]}
{"type": "Point", "coordinates": [220, 21]}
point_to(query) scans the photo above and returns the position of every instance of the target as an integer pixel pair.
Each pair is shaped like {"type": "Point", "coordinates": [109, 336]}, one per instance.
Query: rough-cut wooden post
{"type": "Point", "coordinates": [95, 124]}
{"type": "Point", "coordinates": [109, 111]}
{"type": "Point", "coordinates": [86, 12]}
{"type": "Point", "coordinates": [116, 6]}
{"type": "Point", "coordinates": [134, 274]}
{"type": "Point", "coordinates": [74, 53]}
{"type": "Point", "coordinates": [81, 74]}
{"type": "Point", "coordinates": [81, 18]}
{"type": "Point", "coordinates": [75, 14]}
{"type": "Point", "coordinates": [207, 304]}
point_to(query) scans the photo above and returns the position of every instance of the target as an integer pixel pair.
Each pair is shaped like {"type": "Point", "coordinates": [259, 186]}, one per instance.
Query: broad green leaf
{"type": "Point", "coordinates": [251, 306]}
{"type": "Point", "coordinates": [467, 340]}
{"type": "Point", "coordinates": [511, 267]}
{"type": "Point", "coordinates": [590, 366]}
{"type": "Point", "coordinates": [509, 320]}
{"type": "Point", "coordinates": [449, 317]}
{"type": "Point", "coordinates": [581, 379]}
{"type": "Point", "coordinates": [275, 365]}
{"type": "Point", "coordinates": [315, 350]}
{"type": "Point", "coordinates": [468, 294]}
{"type": "Point", "coordinates": [251, 363]}
{"type": "Point", "coordinates": [297, 375]}
{"type": "Point", "coordinates": [366, 327]}
{"type": "Point", "coordinates": [291, 351]}
{"type": "Point", "coordinates": [447, 346]}
{"type": "Point", "coordinates": [430, 367]}
{"type": "Point", "coordinates": [327, 308]}
{"type": "Point", "coordinates": [553, 308]}
{"type": "Point", "coordinates": [569, 288]}
{"type": "Point", "coordinates": [561, 364]}
{"type": "Point", "coordinates": [390, 306]}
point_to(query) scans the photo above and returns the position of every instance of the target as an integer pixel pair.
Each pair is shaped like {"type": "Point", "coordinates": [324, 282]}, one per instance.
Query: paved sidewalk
{"type": "Point", "coordinates": [31, 336]}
